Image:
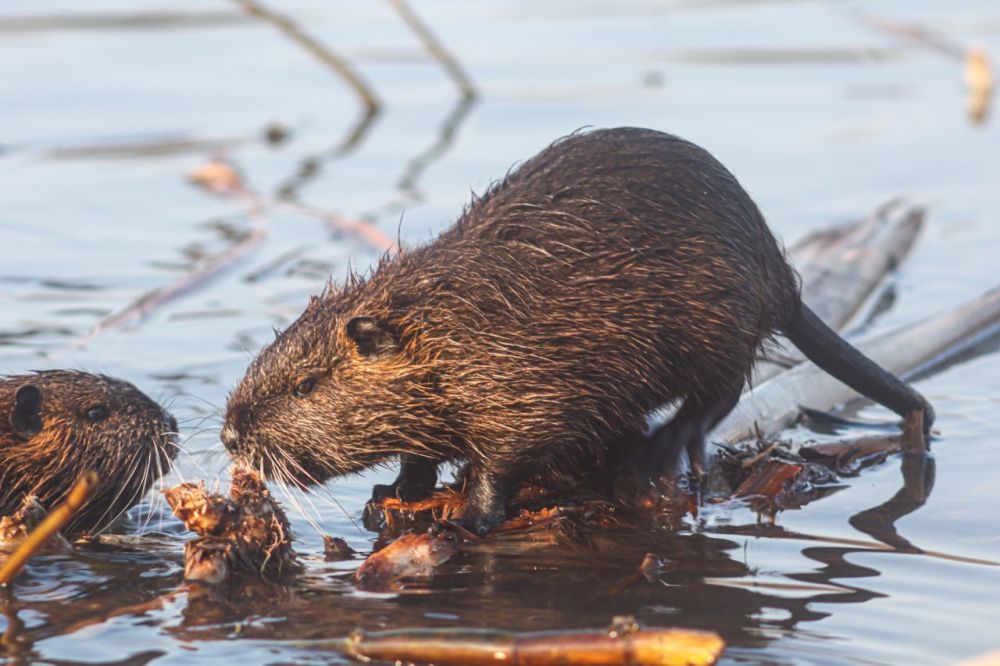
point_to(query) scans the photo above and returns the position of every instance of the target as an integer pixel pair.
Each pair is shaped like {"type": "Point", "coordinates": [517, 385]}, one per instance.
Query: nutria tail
{"type": "Point", "coordinates": [824, 347]}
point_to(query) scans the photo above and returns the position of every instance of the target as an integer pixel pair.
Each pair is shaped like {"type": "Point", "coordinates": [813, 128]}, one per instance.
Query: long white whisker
{"type": "Point", "coordinates": [133, 466]}
{"type": "Point", "coordinates": [280, 476]}
{"type": "Point", "coordinates": [335, 502]}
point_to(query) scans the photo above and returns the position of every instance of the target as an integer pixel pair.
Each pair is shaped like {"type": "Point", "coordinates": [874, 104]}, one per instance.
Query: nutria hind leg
{"type": "Point", "coordinates": [685, 433]}
{"type": "Point", "coordinates": [714, 411]}
{"type": "Point", "coordinates": [414, 482]}
{"type": "Point", "coordinates": [487, 504]}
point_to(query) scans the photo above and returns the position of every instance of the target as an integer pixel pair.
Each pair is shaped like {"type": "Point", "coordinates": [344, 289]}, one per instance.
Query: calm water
{"type": "Point", "coordinates": [822, 113]}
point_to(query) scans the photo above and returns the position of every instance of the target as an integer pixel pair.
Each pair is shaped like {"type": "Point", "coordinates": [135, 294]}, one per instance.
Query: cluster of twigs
{"type": "Point", "coordinates": [246, 532]}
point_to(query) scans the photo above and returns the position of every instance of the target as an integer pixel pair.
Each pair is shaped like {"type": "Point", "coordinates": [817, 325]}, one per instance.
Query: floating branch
{"type": "Point", "coordinates": [211, 270]}
{"type": "Point", "coordinates": [366, 231]}
{"type": "Point", "coordinates": [625, 643]}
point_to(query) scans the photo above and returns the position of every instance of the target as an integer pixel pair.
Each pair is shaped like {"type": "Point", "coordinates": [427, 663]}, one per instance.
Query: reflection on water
{"type": "Point", "coordinates": [822, 110]}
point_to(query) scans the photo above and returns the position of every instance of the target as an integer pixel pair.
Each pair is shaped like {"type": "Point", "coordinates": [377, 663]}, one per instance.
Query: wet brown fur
{"type": "Point", "coordinates": [129, 448]}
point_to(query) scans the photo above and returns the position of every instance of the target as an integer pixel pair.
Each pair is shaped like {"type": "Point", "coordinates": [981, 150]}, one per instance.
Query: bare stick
{"type": "Point", "coordinates": [55, 521]}
{"type": "Point", "coordinates": [623, 643]}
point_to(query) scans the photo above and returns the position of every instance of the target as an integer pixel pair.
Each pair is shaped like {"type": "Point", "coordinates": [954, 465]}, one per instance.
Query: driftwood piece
{"type": "Point", "coordinates": [624, 643]}
{"type": "Point", "coordinates": [774, 405]}
{"type": "Point", "coordinates": [840, 268]}
{"type": "Point", "coordinates": [245, 533]}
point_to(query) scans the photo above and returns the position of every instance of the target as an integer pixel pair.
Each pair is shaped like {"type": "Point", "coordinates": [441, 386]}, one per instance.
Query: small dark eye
{"type": "Point", "coordinates": [305, 387]}
{"type": "Point", "coordinates": [97, 413]}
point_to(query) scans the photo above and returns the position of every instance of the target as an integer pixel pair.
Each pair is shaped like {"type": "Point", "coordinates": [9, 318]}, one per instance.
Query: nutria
{"type": "Point", "coordinates": [614, 272]}
{"type": "Point", "coordinates": [60, 423]}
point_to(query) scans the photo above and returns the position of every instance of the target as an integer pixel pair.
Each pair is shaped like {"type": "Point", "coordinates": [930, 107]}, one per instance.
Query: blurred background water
{"type": "Point", "coordinates": [823, 110]}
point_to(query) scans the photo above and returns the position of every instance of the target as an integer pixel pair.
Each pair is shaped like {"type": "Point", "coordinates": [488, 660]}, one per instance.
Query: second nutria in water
{"type": "Point", "coordinates": [57, 424]}
{"type": "Point", "coordinates": [614, 272]}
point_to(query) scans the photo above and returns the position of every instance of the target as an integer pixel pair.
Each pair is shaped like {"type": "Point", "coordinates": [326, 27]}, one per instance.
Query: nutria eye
{"type": "Point", "coordinates": [97, 413]}
{"type": "Point", "coordinates": [305, 387]}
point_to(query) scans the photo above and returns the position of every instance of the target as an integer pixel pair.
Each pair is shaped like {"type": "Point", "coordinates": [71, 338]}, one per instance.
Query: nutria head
{"type": "Point", "coordinates": [58, 424]}
{"type": "Point", "coordinates": [340, 390]}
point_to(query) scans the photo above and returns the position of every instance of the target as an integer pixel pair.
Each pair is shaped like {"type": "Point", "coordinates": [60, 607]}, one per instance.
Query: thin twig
{"type": "Point", "coordinates": [55, 521]}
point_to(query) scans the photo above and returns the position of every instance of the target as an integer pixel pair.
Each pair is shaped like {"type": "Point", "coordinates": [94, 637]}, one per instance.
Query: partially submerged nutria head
{"type": "Point", "coordinates": [57, 424]}
{"type": "Point", "coordinates": [338, 391]}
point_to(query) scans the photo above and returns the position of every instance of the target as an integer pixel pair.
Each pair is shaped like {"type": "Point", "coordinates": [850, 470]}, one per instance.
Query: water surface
{"type": "Point", "coordinates": [820, 109]}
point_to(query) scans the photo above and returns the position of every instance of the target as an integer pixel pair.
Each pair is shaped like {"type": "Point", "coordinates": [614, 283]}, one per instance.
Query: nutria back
{"type": "Point", "coordinates": [58, 424]}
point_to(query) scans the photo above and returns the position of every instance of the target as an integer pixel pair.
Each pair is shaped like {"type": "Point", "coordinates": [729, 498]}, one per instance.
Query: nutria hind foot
{"type": "Point", "coordinates": [685, 434]}
{"type": "Point", "coordinates": [414, 482]}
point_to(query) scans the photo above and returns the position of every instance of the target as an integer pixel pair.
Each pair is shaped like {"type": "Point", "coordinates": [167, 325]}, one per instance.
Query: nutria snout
{"type": "Point", "coordinates": [614, 272]}
{"type": "Point", "coordinates": [60, 423]}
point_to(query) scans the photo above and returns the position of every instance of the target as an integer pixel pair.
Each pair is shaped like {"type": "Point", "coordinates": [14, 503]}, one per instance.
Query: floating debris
{"type": "Point", "coordinates": [16, 527]}
{"type": "Point", "coordinates": [414, 555]}
{"type": "Point", "coordinates": [245, 533]}
{"type": "Point", "coordinates": [218, 176]}
{"type": "Point", "coordinates": [336, 548]}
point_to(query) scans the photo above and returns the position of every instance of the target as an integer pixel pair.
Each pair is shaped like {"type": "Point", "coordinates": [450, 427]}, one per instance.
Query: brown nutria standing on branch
{"type": "Point", "coordinates": [60, 423]}
{"type": "Point", "coordinates": [614, 272]}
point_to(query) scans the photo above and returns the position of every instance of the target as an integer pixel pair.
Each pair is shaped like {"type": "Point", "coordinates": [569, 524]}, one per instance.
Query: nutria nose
{"type": "Point", "coordinates": [230, 438]}
{"type": "Point", "coordinates": [172, 424]}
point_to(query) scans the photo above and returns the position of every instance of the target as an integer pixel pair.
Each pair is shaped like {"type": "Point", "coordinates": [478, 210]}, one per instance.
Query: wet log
{"type": "Point", "coordinates": [841, 267]}
{"type": "Point", "coordinates": [775, 405]}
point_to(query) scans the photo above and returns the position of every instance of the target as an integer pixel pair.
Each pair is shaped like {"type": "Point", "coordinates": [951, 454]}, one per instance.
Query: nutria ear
{"type": "Point", "coordinates": [371, 336]}
{"type": "Point", "coordinates": [24, 416]}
